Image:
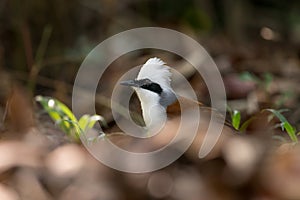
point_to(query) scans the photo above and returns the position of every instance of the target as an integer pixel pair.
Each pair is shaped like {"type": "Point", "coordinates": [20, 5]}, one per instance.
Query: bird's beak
{"type": "Point", "coordinates": [132, 83]}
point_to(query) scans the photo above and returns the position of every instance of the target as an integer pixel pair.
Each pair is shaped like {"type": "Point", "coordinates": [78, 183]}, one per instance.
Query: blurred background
{"type": "Point", "coordinates": [255, 44]}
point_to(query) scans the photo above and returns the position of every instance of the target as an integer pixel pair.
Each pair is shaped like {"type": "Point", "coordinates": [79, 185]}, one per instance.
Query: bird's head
{"type": "Point", "coordinates": [153, 87]}
{"type": "Point", "coordinates": [153, 83]}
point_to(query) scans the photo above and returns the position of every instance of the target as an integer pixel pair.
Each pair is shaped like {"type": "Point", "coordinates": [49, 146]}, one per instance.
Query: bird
{"type": "Point", "coordinates": [153, 88]}
{"type": "Point", "coordinates": [161, 105]}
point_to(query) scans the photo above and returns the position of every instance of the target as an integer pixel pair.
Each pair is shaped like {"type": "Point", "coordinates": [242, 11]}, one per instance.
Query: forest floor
{"type": "Point", "coordinates": [38, 160]}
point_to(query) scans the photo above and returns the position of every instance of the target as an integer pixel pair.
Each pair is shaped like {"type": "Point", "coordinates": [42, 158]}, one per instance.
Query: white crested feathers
{"type": "Point", "coordinates": [157, 71]}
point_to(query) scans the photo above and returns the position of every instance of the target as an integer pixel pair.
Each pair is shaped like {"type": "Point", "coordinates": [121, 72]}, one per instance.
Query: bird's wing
{"type": "Point", "coordinates": [183, 103]}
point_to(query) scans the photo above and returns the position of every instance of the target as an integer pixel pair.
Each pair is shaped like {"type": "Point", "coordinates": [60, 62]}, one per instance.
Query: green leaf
{"type": "Point", "coordinates": [285, 125]}
{"type": "Point", "coordinates": [86, 121]}
{"type": "Point", "coordinates": [247, 76]}
{"type": "Point", "coordinates": [236, 119]}
{"type": "Point", "coordinates": [66, 120]}
{"type": "Point", "coordinates": [278, 114]}
{"type": "Point", "coordinates": [291, 131]}
{"type": "Point", "coordinates": [94, 119]}
{"type": "Point", "coordinates": [60, 114]}
{"type": "Point", "coordinates": [245, 125]}
{"type": "Point", "coordinates": [65, 110]}
{"type": "Point", "coordinates": [55, 108]}
{"type": "Point", "coordinates": [83, 122]}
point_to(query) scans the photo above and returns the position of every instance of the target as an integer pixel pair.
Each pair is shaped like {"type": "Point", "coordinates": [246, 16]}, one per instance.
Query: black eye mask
{"type": "Point", "coordinates": [154, 87]}
{"type": "Point", "coordinates": [167, 97]}
{"type": "Point", "coordinates": [145, 84]}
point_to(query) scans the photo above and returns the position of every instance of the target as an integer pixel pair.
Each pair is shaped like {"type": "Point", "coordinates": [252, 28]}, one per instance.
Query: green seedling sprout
{"type": "Point", "coordinates": [66, 120]}
{"type": "Point", "coordinates": [235, 118]}
{"type": "Point", "coordinates": [284, 124]}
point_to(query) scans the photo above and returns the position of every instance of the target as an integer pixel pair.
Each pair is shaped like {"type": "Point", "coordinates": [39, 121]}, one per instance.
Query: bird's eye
{"type": "Point", "coordinates": [154, 87]}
